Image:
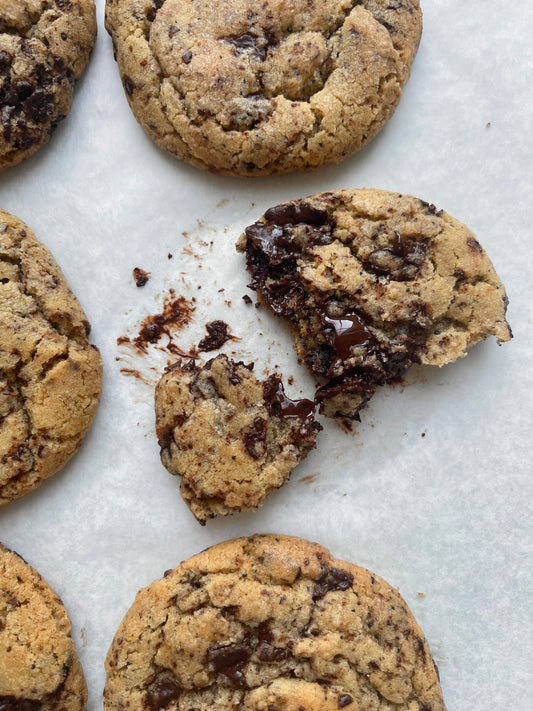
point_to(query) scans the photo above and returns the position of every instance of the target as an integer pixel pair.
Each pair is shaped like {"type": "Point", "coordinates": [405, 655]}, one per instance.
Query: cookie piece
{"type": "Point", "coordinates": [50, 375]}
{"type": "Point", "coordinates": [262, 87]}
{"type": "Point", "coordinates": [371, 282]}
{"type": "Point", "coordinates": [39, 667]}
{"type": "Point", "coordinates": [44, 47]}
{"type": "Point", "coordinates": [229, 436]}
{"type": "Point", "coordinates": [270, 623]}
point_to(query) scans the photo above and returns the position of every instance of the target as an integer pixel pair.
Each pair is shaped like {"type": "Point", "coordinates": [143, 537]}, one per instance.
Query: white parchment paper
{"type": "Point", "coordinates": [433, 490]}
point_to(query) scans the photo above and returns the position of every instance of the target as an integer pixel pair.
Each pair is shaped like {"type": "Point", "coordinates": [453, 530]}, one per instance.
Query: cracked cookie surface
{"type": "Point", "coordinates": [270, 623]}
{"type": "Point", "coordinates": [44, 48]}
{"type": "Point", "coordinates": [50, 375]}
{"type": "Point", "coordinates": [231, 437]}
{"type": "Point", "coordinates": [39, 667]}
{"type": "Point", "coordinates": [255, 88]}
{"type": "Point", "coordinates": [370, 283]}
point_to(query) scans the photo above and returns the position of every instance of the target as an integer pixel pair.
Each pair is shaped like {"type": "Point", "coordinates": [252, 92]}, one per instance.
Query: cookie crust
{"type": "Point", "coordinates": [50, 375]}
{"type": "Point", "coordinates": [261, 88]}
{"type": "Point", "coordinates": [230, 437]}
{"type": "Point", "coordinates": [44, 48]}
{"type": "Point", "coordinates": [270, 623]}
{"type": "Point", "coordinates": [39, 668]}
{"type": "Point", "coordinates": [371, 282]}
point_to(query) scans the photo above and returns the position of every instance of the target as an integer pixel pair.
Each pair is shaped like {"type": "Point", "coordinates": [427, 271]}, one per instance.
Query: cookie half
{"type": "Point", "coordinates": [39, 667]}
{"type": "Point", "coordinates": [262, 87]}
{"type": "Point", "coordinates": [231, 437]}
{"type": "Point", "coordinates": [270, 623]}
{"type": "Point", "coordinates": [44, 48]}
{"type": "Point", "coordinates": [50, 375]}
{"type": "Point", "coordinates": [371, 282]}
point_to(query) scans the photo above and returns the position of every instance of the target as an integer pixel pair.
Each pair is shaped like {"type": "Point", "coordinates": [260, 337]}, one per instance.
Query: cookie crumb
{"type": "Point", "coordinates": [140, 276]}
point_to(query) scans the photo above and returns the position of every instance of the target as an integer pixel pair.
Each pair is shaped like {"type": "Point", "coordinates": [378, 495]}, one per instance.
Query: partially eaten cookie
{"type": "Point", "coordinates": [370, 283]}
{"type": "Point", "coordinates": [231, 437]}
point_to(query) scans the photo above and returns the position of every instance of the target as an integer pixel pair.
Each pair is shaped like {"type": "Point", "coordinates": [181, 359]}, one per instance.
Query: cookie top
{"type": "Point", "coordinates": [50, 375]}
{"type": "Point", "coordinates": [44, 47]}
{"type": "Point", "coordinates": [371, 282]}
{"type": "Point", "coordinates": [270, 623]}
{"type": "Point", "coordinates": [261, 87]}
{"type": "Point", "coordinates": [39, 667]}
{"type": "Point", "coordinates": [231, 437]}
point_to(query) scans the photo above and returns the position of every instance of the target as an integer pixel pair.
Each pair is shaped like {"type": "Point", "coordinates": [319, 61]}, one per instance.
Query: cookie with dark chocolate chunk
{"type": "Point", "coordinates": [50, 375]}
{"type": "Point", "coordinates": [372, 282]}
{"type": "Point", "coordinates": [44, 48]}
{"type": "Point", "coordinates": [39, 667]}
{"type": "Point", "coordinates": [231, 437]}
{"type": "Point", "coordinates": [263, 87]}
{"type": "Point", "coordinates": [270, 623]}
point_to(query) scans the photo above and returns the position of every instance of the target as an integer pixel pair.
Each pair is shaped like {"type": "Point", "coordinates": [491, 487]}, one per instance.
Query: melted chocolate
{"type": "Point", "coordinates": [346, 332]}
{"type": "Point", "coordinates": [162, 693]}
{"type": "Point", "coordinates": [331, 579]}
{"type": "Point", "coordinates": [176, 314]}
{"type": "Point", "coordinates": [296, 213]}
{"type": "Point", "coordinates": [218, 335]}
{"type": "Point", "coordinates": [279, 405]}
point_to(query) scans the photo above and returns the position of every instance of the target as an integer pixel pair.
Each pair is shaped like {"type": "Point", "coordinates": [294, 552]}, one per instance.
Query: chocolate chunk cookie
{"type": "Point", "coordinates": [229, 436]}
{"type": "Point", "coordinates": [371, 282]}
{"type": "Point", "coordinates": [44, 47]}
{"type": "Point", "coordinates": [261, 87]}
{"type": "Point", "coordinates": [270, 623]}
{"type": "Point", "coordinates": [39, 667]}
{"type": "Point", "coordinates": [50, 375]}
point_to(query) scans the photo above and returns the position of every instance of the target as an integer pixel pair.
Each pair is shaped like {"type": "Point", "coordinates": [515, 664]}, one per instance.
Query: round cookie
{"type": "Point", "coordinates": [270, 623]}
{"type": "Point", "coordinates": [44, 47]}
{"type": "Point", "coordinates": [371, 282]}
{"type": "Point", "coordinates": [50, 375]}
{"type": "Point", "coordinates": [253, 87]}
{"type": "Point", "coordinates": [39, 667]}
{"type": "Point", "coordinates": [231, 437]}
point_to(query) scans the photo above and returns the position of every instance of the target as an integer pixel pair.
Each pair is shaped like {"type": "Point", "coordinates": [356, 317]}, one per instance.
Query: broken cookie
{"type": "Point", "coordinates": [229, 436]}
{"type": "Point", "coordinates": [370, 283]}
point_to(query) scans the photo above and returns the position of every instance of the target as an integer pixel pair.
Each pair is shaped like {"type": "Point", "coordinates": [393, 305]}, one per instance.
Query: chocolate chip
{"type": "Point", "coordinates": [254, 438]}
{"type": "Point", "coordinates": [331, 579]}
{"type": "Point", "coordinates": [296, 213]}
{"type": "Point", "coordinates": [39, 106]}
{"type": "Point", "coordinates": [128, 85]}
{"type": "Point", "coordinates": [248, 41]}
{"type": "Point", "coordinates": [187, 56]}
{"type": "Point", "coordinates": [161, 693]}
{"type": "Point", "coordinates": [225, 657]}
{"type": "Point", "coordinates": [345, 700]}
{"type": "Point", "coordinates": [474, 245]}
{"type": "Point", "coordinates": [218, 335]}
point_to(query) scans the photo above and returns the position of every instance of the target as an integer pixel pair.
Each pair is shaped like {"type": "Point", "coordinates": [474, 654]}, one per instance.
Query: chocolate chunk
{"type": "Point", "coordinates": [247, 300]}
{"type": "Point", "coordinates": [259, 45]}
{"type": "Point", "coordinates": [401, 261]}
{"type": "Point", "coordinates": [474, 245]}
{"type": "Point", "coordinates": [218, 335]}
{"type": "Point", "coordinates": [140, 276]}
{"type": "Point", "coordinates": [255, 438]}
{"type": "Point", "coordinates": [267, 653]}
{"type": "Point", "coordinates": [5, 61]}
{"type": "Point", "coordinates": [128, 85]}
{"type": "Point", "coordinates": [345, 700]}
{"type": "Point", "coordinates": [162, 693]}
{"type": "Point", "coordinates": [225, 657]}
{"type": "Point", "coordinates": [279, 405]}
{"type": "Point", "coordinates": [187, 57]}
{"type": "Point", "coordinates": [331, 579]}
{"type": "Point", "coordinates": [233, 676]}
